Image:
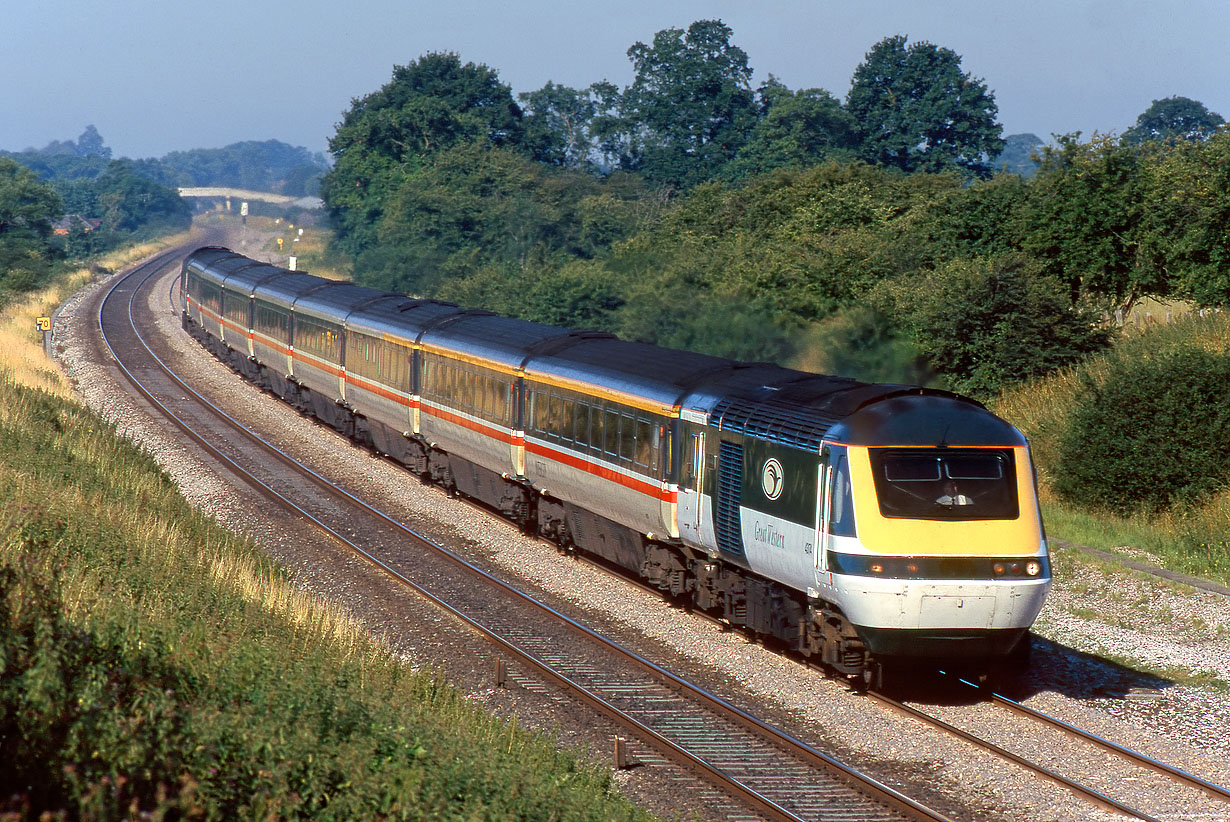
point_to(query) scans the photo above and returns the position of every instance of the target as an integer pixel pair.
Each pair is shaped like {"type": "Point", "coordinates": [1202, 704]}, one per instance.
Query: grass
{"type": "Point", "coordinates": [1193, 540]}
{"type": "Point", "coordinates": [152, 663]}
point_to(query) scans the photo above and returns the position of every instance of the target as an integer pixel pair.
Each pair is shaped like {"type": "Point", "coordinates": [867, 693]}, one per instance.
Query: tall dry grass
{"type": "Point", "coordinates": [1195, 539]}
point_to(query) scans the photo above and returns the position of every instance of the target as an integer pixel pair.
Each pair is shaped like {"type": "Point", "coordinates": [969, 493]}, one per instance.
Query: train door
{"type": "Point", "coordinates": [689, 513]}
{"type": "Point", "coordinates": [835, 517]}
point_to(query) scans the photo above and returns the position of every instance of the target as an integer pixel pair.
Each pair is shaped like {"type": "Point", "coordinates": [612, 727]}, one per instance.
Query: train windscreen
{"type": "Point", "coordinates": [945, 484]}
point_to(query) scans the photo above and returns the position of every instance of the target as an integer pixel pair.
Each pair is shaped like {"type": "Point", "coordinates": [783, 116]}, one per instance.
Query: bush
{"type": "Point", "coordinates": [1154, 435]}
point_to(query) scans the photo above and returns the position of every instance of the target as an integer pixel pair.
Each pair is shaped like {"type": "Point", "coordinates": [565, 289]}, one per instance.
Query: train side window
{"type": "Point", "coordinates": [841, 501]}
{"type": "Point", "coordinates": [581, 424]}
{"type": "Point", "coordinates": [595, 428]}
{"type": "Point", "coordinates": [554, 423]}
{"type": "Point", "coordinates": [538, 411]}
{"type": "Point", "coordinates": [643, 454]}
{"type": "Point", "coordinates": [567, 424]}
{"type": "Point", "coordinates": [611, 434]}
{"type": "Point", "coordinates": [627, 438]}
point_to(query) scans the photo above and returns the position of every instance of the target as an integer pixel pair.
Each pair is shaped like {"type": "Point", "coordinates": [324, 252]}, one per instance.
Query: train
{"type": "Point", "coordinates": [862, 526]}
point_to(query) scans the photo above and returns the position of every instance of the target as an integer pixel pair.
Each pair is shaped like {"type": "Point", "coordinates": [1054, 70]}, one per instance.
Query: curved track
{"type": "Point", "coordinates": [771, 773]}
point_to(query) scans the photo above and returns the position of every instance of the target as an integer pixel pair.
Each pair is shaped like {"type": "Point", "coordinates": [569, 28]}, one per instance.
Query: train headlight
{"type": "Point", "coordinates": [998, 569]}
{"type": "Point", "coordinates": [876, 568]}
{"type": "Point", "coordinates": [1033, 568]}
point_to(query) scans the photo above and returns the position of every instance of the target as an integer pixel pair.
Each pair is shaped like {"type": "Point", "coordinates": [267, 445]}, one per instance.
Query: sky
{"type": "Point", "coordinates": [156, 76]}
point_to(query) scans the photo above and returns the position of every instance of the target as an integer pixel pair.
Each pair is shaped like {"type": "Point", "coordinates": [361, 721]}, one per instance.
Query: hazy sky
{"type": "Point", "coordinates": [163, 75]}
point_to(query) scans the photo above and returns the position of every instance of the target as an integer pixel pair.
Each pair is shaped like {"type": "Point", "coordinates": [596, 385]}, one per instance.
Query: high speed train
{"type": "Point", "coordinates": [855, 524]}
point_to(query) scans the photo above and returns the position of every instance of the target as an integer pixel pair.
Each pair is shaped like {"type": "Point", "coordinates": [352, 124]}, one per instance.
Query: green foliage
{"type": "Point", "coordinates": [917, 111]}
{"type": "Point", "coordinates": [1155, 433]}
{"type": "Point", "coordinates": [127, 202]}
{"type": "Point", "coordinates": [1174, 118]}
{"type": "Point", "coordinates": [690, 106]}
{"type": "Point", "coordinates": [985, 324]}
{"type": "Point", "coordinates": [559, 125]}
{"type": "Point", "coordinates": [795, 130]}
{"type": "Point", "coordinates": [27, 208]}
{"type": "Point", "coordinates": [429, 106]}
{"type": "Point", "coordinates": [1183, 229]}
{"type": "Point", "coordinates": [1020, 155]}
{"type": "Point", "coordinates": [477, 207]}
{"type": "Point", "coordinates": [1082, 219]}
{"type": "Point", "coordinates": [136, 680]}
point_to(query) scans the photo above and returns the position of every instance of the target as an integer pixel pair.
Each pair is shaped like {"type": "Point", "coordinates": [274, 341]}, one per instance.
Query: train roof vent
{"type": "Point", "coordinates": [769, 419]}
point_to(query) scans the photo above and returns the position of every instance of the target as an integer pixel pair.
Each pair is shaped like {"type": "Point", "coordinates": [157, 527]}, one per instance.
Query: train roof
{"type": "Point", "coordinates": [762, 400]}
{"type": "Point", "coordinates": [919, 417]}
{"type": "Point", "coordinates": [399, 317]}
{"type": "Point", "coordinates": [216, 263]}
{"type": "Point", "coordinates": [333, 300]}
{"type": "Point", "coordinates": [630, 372]}
{"type": "Point", "coordinates": [491, 340]}
{"type": "Point", "coordinates": [283, 291]}
{"type": "Point", "coordinates": [247, 278]}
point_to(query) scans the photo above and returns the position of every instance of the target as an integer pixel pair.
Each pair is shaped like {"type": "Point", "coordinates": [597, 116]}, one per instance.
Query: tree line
{"type": "Point", "coordinates": [868, 236]}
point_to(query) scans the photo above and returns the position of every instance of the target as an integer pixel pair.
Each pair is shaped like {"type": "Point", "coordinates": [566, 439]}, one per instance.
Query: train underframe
{"type": "Point", "coordinates": [766, 610]}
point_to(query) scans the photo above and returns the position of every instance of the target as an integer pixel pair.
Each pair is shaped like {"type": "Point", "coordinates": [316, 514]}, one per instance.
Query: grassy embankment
{"type": "Point", "coordinates": [1195, 540]}
{"type": "Point", "coordinates": [152, 661]}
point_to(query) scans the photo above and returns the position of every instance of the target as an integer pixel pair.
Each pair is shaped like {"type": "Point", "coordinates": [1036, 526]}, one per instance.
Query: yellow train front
{"type": "Point", "coordinates": [944, 557]}
{"type": "Point", "coordinates": [907, 516]}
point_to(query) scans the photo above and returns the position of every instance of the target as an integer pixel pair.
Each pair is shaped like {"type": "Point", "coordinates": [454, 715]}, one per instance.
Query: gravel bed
{"type": "Point", "coordinates": [1094, 615]}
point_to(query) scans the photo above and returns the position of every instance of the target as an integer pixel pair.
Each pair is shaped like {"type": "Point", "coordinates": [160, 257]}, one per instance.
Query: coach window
{"type": "Point", "coordinates": [580, 421]}
{"type": "Point", "coordinates": [643, 455]}
{"type": "Point", "coordinates": [627, 438]}
{"type": "Point", "coordinates": [567, 425]}
{"type": "Point", "coordinates": [611, 433]}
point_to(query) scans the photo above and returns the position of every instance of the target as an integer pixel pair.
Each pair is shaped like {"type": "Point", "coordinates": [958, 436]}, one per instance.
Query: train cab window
{"type": "Point", "coordinates": [841, 501]}
{"type": "Point", "coordinates": [945, 484]}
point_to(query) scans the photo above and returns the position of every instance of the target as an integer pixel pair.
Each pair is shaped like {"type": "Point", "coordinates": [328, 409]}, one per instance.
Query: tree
{"type": "Point", "coordinates": [27, 208]}
{"type": "Point", "coordinates": [795, 130]}
{"type": "Point", "coordinates": [1174, 118]}
{"type": "Point", "coordinates": [1020, 155]}
{"type": "Point", "coordinates": [690, 106]}
{"type": "Point", "coordinates": [90, 144]}
{"type": "Point", "coordinates": [916, 110]}
{"type": "Point", "coordinates": [1082, 220]}
{"type": "Point", "coordinates": [557, 125]}
{"type": "Point", "coordinates": [1110, 456]}
{"type": "Point", "coordinates": [987, 323]}
{"type": "Point", "coordinates": [430, 105]}
{"type": "Point", "coordinates": [128, 202]}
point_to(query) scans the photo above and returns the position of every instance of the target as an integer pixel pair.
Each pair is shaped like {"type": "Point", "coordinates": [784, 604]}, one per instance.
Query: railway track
{"type": "Point", "coordinates": [769, 773]}
{"type": "Point", "coordinates": [1180, 786]}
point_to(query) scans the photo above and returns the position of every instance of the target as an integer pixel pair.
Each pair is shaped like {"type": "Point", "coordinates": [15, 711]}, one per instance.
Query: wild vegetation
{"type": "Point", "coordinates": [155, 665]}
{"type": "Point", "coordinates": [1130, 445]}
{"type": "Point", "coordinates": [883, 235]}
{"type": "Point", "coordinates": [694, 211]}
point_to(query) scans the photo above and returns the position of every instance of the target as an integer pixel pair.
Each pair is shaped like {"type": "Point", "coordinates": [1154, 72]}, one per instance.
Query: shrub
{"type": "Point", "coordinates": [1154, 435]}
